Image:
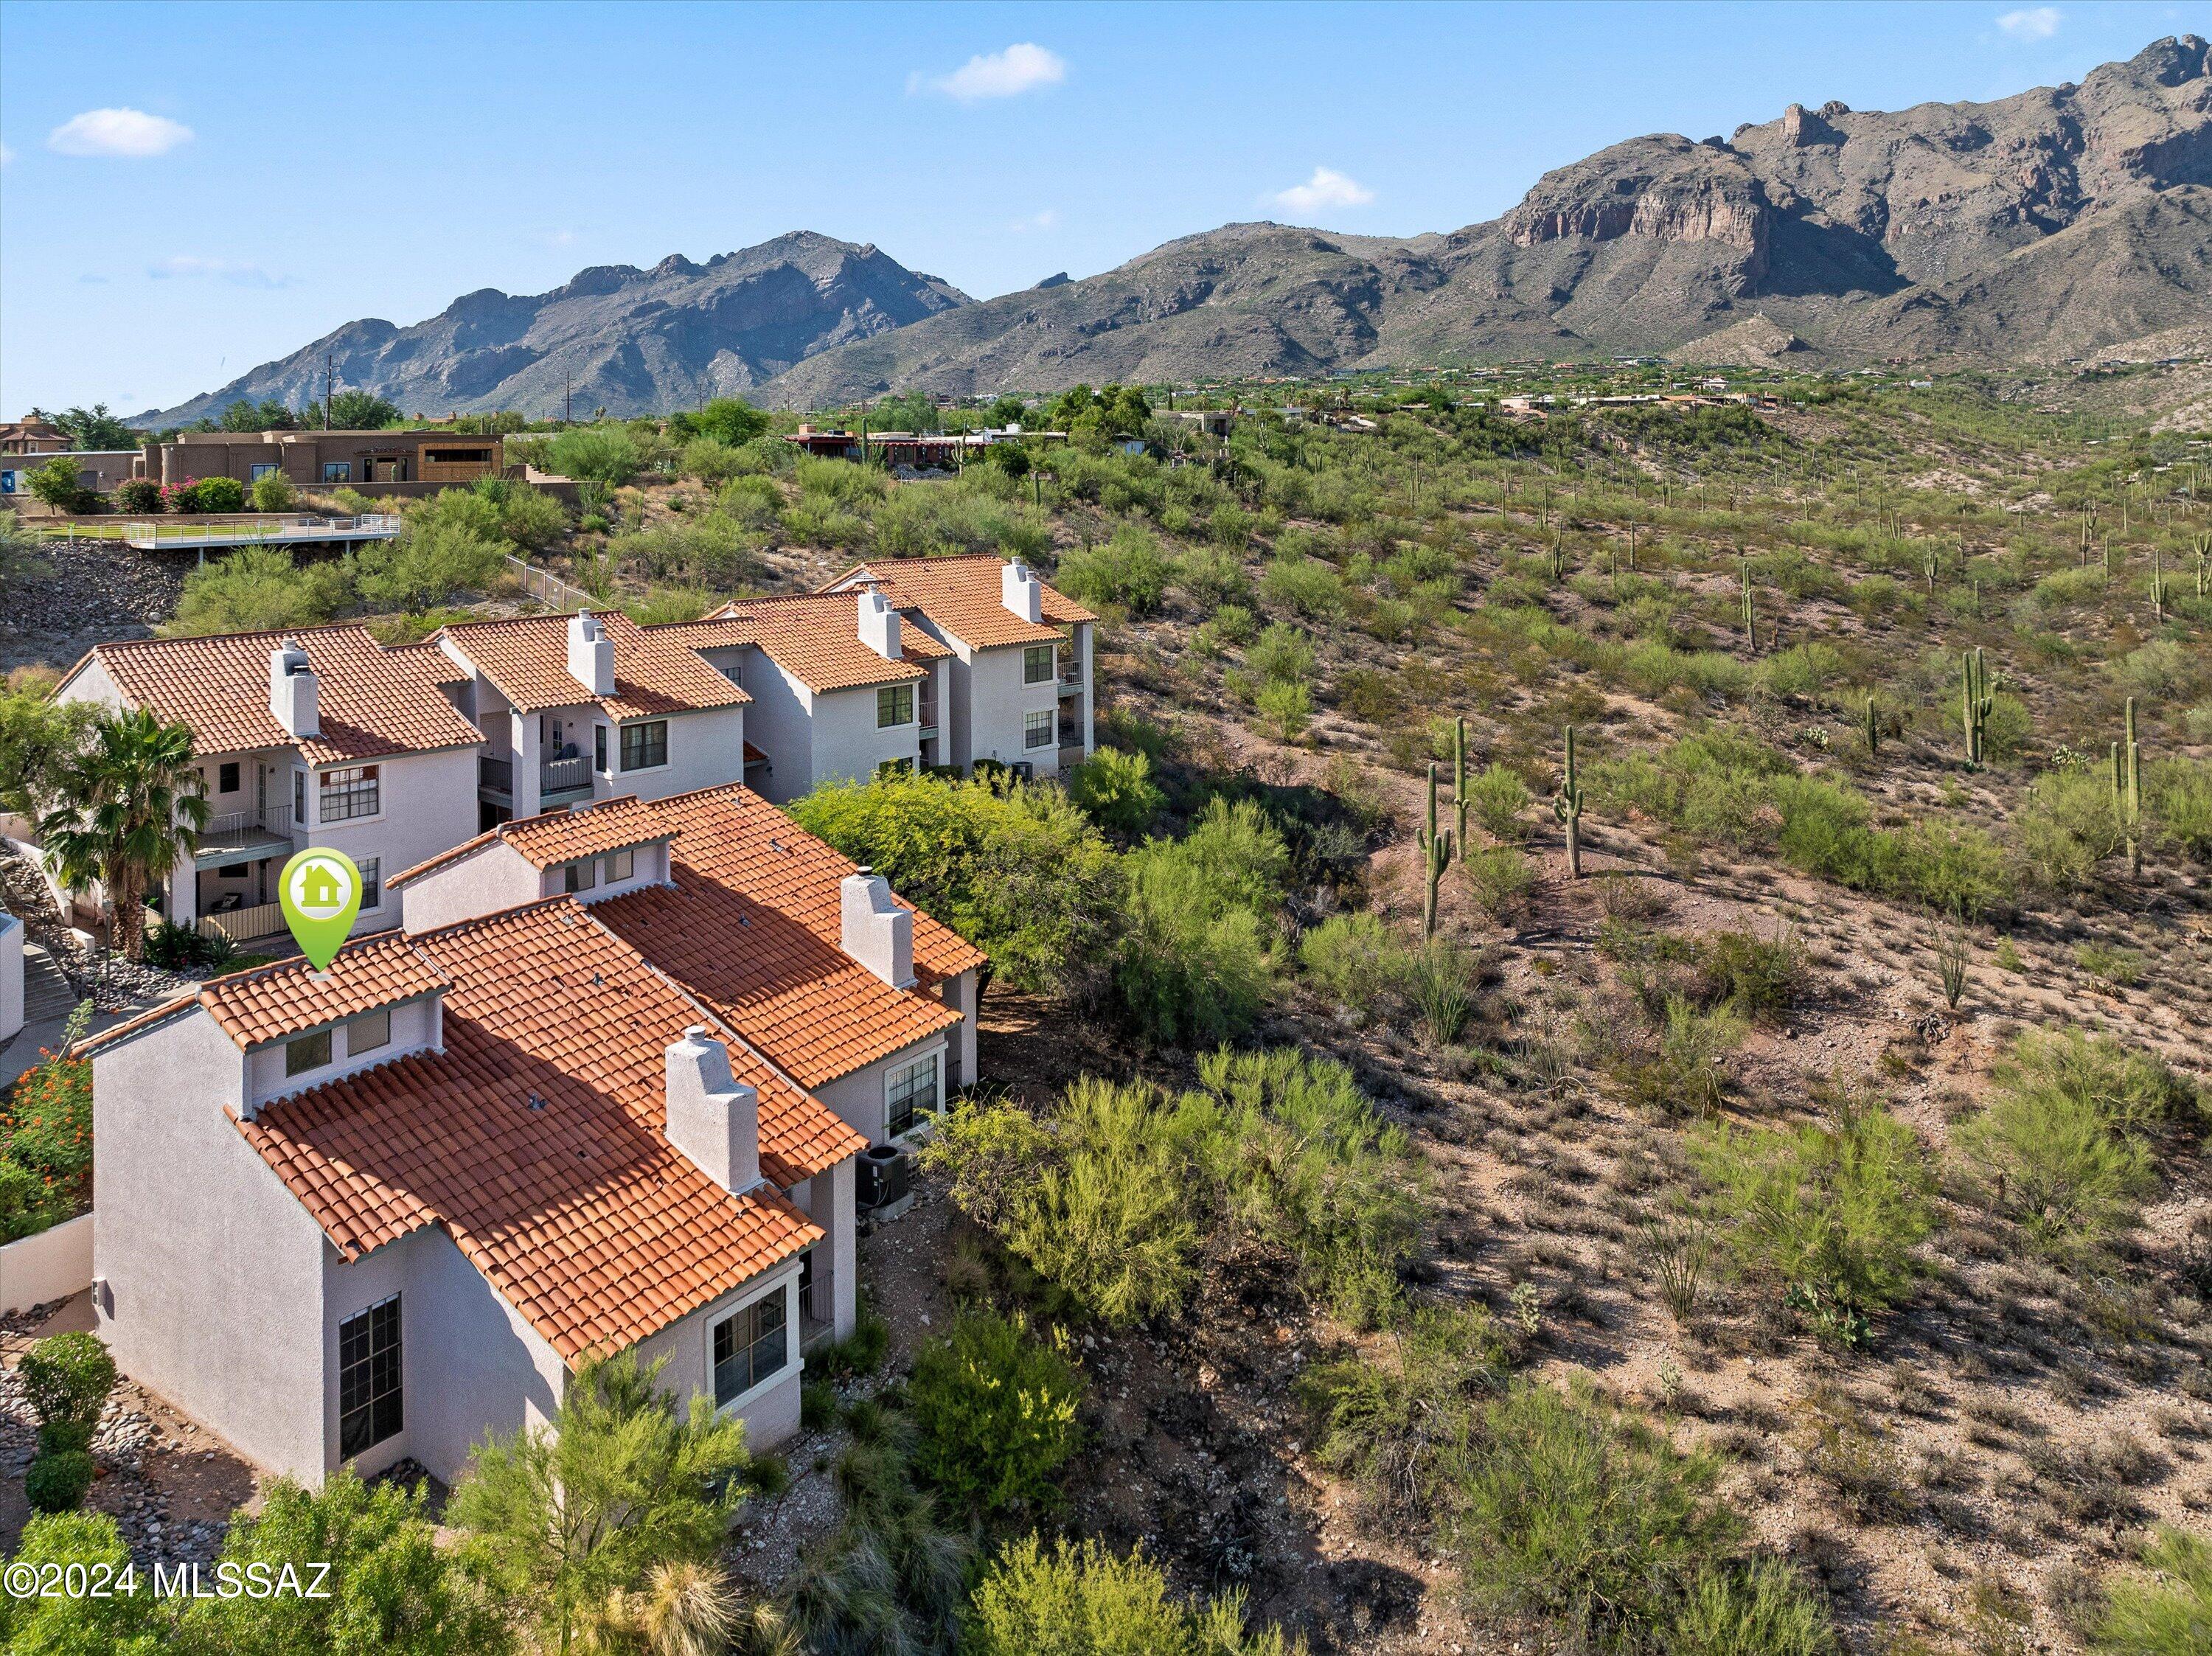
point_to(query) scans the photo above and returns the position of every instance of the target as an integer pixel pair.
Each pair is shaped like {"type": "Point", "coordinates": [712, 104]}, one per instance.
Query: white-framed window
{"type": "Point", "coordinates": [894, 706]}
{"type": "Point", "coordinates": [750, 1346]}
{"type": "Point", "coordinates": [226, 777]}
{"type": "Point", "coordinates": [369, 1408]}
{"type": "Point", "coordinates": [617, 865]}
{"type": "Point", "coordinates": [1037, 730]}
{"type": "Point", "coordinates": [909, 1091]}
{"type": "Point", "coordinates": [645, 746]}
{"type": "Point", "coordinates": [349, 794]}
{"type": "Point", "coordinates": [1037, 663]}
{"type": "Point", "coordinates": [580, 876]}
{"type": "Point", "coordinates": [305, 1052]}
{"type": "Point", "coordinates": [368, 1032]}
{"type": "Point", "coordinates": [372, 883]}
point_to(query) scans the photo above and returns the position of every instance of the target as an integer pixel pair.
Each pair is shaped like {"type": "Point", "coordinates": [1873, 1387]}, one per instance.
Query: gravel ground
{"type": "Point", "coordinates": [91, 591]}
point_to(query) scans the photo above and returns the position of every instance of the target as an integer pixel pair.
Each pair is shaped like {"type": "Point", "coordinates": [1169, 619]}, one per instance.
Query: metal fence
{"type": "Point", "coordinates": [550, 589]}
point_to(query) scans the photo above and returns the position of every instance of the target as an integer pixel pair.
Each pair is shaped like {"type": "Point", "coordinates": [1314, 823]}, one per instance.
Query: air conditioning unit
{"type": "Point", "coordinates": [886, 1174]}
{"type": "Point", "coordinates": [1023, 769]}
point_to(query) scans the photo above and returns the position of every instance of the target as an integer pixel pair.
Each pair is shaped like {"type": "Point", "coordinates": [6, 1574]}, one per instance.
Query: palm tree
{"type": "Point", "coordinates": [132, 810]}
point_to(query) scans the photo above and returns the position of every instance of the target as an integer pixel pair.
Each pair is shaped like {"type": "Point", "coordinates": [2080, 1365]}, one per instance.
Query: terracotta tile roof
{"type": "Point", "coordinates": [561, 835]}
{"type": "Point", "coordinates": [753, 927]}
{"type": "Point", "coordinates": [441, 667]}
{"type": "Point", "coordinates": [373, 700]}
{"type": "Point", "coordinates": [813, 636]}
{"type": "Point", "coordinates": [527, 658]}
{"type": "Point", "coordinates": [963, 596]}
{"type": "Point", "coordinates": [753, 754]}
{"type": "Point", "coordinates": [269, 1003]}
{"type": "Point", "coordinates": [536, 1138]}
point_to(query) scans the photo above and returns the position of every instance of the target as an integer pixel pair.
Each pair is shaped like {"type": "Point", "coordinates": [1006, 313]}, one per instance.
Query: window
{"type": "Point", "coordinates": [368, 1032]}
{"type": "Point", "coordinates": [368, 1377]}
{"type": "Point", "coordinates": [894, 706]}
{"type": "Point", "coordinates": [347, 794]}
{"type": "Point", "coordinates": [579, 877]}
{"type": "Point", "coordinates": [644, 746]}
{"type": "Point", "coordinates": [1037, 663]}
{"type": "Point", "coordinates": [226, 777]}
{"type": "Point", "coordinates": [87, 480]}
{"type": "Point", "coordinates": [300, 798]}
{"type": "Point", "coordinates": [371, 883]}
{"type": "Point", "coordinates": [235, 871]}
{"type": "Point", "coordinates": [750, 1347]}
{"type": "Point", "coordinates": [1037, 730]}
{"type": "Point", "coordinates": [908, 1093]}
{"type": "Point", "coordinates": [305, 1052]}
{"type": "Point", "coordinates": [337, 471]}
{"type": "Point", "coordinates": [599, 749]}
{"type": "Point", "coordinates": [896, 768]}
{"type": "Point", "coordinates": [259, 469]}
{"type": "Point", "coordinates": [618, 864]}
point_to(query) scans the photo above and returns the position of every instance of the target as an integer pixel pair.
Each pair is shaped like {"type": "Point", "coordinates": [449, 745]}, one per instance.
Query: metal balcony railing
{"type": "Point", "coordinates": [498, 774]}
{"type": "Point", "coordinates": [564, 775]}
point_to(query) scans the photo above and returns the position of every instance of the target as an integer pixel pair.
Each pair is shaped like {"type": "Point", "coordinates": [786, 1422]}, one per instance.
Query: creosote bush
{"type": "Point", "coordinates": [1085, 1601]}
{"type": "Point", "coordinates": [994, 1410]}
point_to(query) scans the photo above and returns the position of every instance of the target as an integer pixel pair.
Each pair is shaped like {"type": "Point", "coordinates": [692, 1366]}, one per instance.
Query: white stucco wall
{"type": "Point", "coordinates": [11, 974]}
{"type": "Point", "coordinates": [706, 749]}
{"type": "Point", "coordinates": [212, 1271]}
{"type": "Point", "coordinates": [780, 718]}
{"type": "Point", "coordinates": [848, 744]}
{"type": "Point", "coordinates": [485, 882]}
{"type": "Point", "coordinates": [858, 1098]}
{"type": "Point", "coordinates": [90, 682]}
{"type": "Point", "coordinates": [958, 992]}
{"type": "Point", "coordinates": [428, 804]}
{"type": "Point", "coordinates": [998, 701]}
{"type": "Point", "coordinates": [772, 1414]}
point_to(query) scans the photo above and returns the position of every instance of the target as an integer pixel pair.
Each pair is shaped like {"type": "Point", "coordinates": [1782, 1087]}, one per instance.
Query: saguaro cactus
{"type": "Point", "coordinates": [1976, 707]}
{"type": "Point", "coordinates": [1872, 730]}
{"type": "Point", "coordinates": [2127, 793]}
{"type": "Point", "coordinates": [1459, 781]}
{"type": "Point", "coordinates": [1750, 611]}
{"type": "Point", "coordinates": [1568, 806]}
{"type": "Point", "coordinates": [1435, 858]}
{"type": "Point", "coordinates": [2157, 585]}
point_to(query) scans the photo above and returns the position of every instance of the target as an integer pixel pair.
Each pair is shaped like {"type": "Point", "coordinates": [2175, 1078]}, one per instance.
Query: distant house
{"type": "Point", "coordinates": [399, 462]}
{"type": "Point", "coordinates": [1019, 687]}
{"type": "Point", "coordinates": [384, 1210]}
{"type": "Point", "coordinates": [101, 470]}
{"type": "Point", "coordinates": [31, 436]}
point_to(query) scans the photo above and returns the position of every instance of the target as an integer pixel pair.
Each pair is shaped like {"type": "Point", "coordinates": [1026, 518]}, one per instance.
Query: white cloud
{"type": "Point", "coordinates": [129, 132]}
{"type": "Point", "coordinates": [1043, 221]}
{"type": "Point", "coordinates": [1326, 188]}
{"type": "Point", "coordinates": [2031, 22]}
{"type": "Point", "coordinates": [6, 155]}
{"type": "Point", "coordinates": [217, 269]}
{"type": "Point", "coordinates": [1007, 73]}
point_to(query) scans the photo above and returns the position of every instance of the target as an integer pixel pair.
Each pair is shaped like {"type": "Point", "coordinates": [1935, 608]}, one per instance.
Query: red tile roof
{"type": "Point", "coordinates": [536, 1138]}
{"type": "Point", "coordinates": [963, 595]}
{"type": "Point", "coordinates": [753, 927]}
{"type": "Point", "coordinates": [373, 700]}
{"type": "Point", "coordinates": [813, 636]}
{"type": "Point", "coordinates": [527, 659]}
{"type": "Point", "coordinates": [557, 836]}
{"type": "Point", "coordinates": [269, 1003]}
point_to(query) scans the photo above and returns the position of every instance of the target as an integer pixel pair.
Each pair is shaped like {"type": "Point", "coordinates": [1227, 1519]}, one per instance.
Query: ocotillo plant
{"type": "Point", "coordinates": [2127, 793]}
{"type": "Point", "coordinates": [1976, 707]}
{"type": "Point", "coordinates": [1459, 781]}
{"type": "Point", "coordinates": [1750, 612]}
{"type": "Point", "coordinates": [1568, 806]}
{"type": "Point", "coordinates": [1872, 730]}
{"type": "Point", "coordinates": [1435, 858]}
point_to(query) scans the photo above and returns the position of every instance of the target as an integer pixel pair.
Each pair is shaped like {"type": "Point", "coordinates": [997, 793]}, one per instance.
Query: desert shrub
{"type": "Point", "coordinates": [57, 1483]}
{"type": "Point", "coordinates": [138, 495]}
{"type": "Point", "coordinates": [2178, 795]}
{"type": "Point", "coordinates": [2156, 670]}
{"type": "Point", "coordinates": [1211, 576]}
{"type": "Point", "coordinates": [1283, 654]}
{"type": "Point", "coordinates": [1114, 788]}
{"type": "Point", "coordinates": [709, 460]}
{"type": "Point", "coordinates": [1809, 671]}
{"type": "Point", "coordinates": [753, 502]}
{"type": "Point", "coordinates": [598, 454]}
{"type": "Point", "coordinates": [428, 562]}
{"type": "Point", "coordinates": [1756, 976]}
{"type": "Point", "coordinates": [45, 1142]}
{"type": "Point", "coordinates": [2065, 828]}
{"type": "Point", "coordinates": [2169, 1613]}
{"type": "Point", "coordinates": [1306, 586]}
{"type": "Point", "coordinates": [1288, 709]}
{"type": "Point", "coordinates": [1019, 871]}
{"type": "Point", "coordinates": [1498, 797]}
{"type": "Point", "coordinates": [1500, 878]}
{"type": "Point", "coordinates": [529, 518]}
{"type": "Point", "coordinates": [2066, 1142]}
{"type": "Point", "coordinates": [1443, 983]}
{"type": "Point", "coordinates": [1828, 1213]}
{"type": "Point", "coordinates": [1085, 1601]}
{"type": "Point", "coordinates": [1193, 966]}
{"type": "Point", "coordinates": [994, 1410]}
{"type": "Point", "coordinates": [182, 949]}
{"type": "Point", "coordinates": [1131, 570]}
{"type": "Point", "coordinates": [273, 491]}
{"type": "Point", "coordinates": [66, 1379]}
{"type": "Point", "coordinates": [1684, 1073]}
{"type": "Point", "coordinates": [1354, 960]}
{"type": "Point", "coordinates": [1762, 1608]}
{"type": "Point", "coordinates": [257, 588]}
{"type": "Point", "coordinates": [1230, 627]}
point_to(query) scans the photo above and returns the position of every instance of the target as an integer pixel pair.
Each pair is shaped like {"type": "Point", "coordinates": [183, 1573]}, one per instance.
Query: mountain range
{"type": "Point", "coordinates": [2051, 225]}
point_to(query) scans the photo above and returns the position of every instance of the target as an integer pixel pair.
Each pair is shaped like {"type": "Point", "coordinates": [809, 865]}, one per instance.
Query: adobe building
{"type": "Point", "coordinates": [373, 461]}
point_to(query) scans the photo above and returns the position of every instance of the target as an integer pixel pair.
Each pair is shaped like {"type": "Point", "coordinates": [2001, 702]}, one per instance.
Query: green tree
{"type": "Point", "coordinates": [268, 414]}
{"type": "Point", "coordinates": [18, 554]}
{"type": "Point", "coordinates": [120, 1624]}
{"type": "Point", "coordinates": [995, 1409]}
{"type": "Point", "coordinates": [362, 410]}
{"type": "Point", "coordinates": [598, 454]}
{"type": "Point", "coordinates": [55, 483]}
{"type": "Point", "coordinates": [93, 428]}
{"type": "Point", "coordinates": [430, 560]}
{"type": "Point", "coordinates": [273, 491]}
{"type": "Point", "coordinates": [257, 588]}
{"type": "Point", "coordinates": [558, 1519]}
{"type": "Point", "coordinates": [128, 814]}
{"type": "Point", "coordinates": [1114, 788]}
{"type": "Point", "coordinates": [39, 742]}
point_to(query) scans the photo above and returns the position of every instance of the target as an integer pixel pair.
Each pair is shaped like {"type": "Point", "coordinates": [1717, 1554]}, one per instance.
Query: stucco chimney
{"type": "Point", "coordinates": [714, 1119]}
{"type": "Point", "coordinates": [1021, 592]}
{"type": "Point", "coordinates": [877, 931]}
{"type": "Point", "coordinates": [591, 654]}
{"type": "Point", "coordinates": [879, 624]}
{"type": "Point", "coordinates": [294, 695]}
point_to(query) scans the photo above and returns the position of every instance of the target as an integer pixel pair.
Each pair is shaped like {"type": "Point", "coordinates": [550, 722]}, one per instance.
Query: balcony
{"type": "Point", "coordinates": [240, 834]}
{"type": "Point", "coordinates": [928, 717]}
{"type": "Point", "coordinates": [495, 774]}
{"type": "Point", "coordinates": [244, 923]}
{"type": "Point", "coordinates": [564, 776]}
{"type": "Point", "coordinates": [1070, 677]}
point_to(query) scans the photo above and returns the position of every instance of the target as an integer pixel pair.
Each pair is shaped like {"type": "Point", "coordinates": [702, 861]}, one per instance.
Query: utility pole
{"type": "Point", "coordinates": [330, 381]}
{"type": "Point", "coordinates": [568, 400]}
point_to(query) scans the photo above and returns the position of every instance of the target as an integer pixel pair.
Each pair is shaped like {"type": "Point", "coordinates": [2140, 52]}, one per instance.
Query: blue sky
{"type": "Point", "coordinates": [188, 189]}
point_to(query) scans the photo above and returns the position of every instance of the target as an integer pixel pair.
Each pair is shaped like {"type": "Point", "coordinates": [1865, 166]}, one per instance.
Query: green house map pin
{"type": "Point", "coordinates": [320, 892]}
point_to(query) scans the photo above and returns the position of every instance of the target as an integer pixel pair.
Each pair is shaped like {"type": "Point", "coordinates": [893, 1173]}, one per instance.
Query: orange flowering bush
{"type": "Point", "coordinates": [45, 1146]}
